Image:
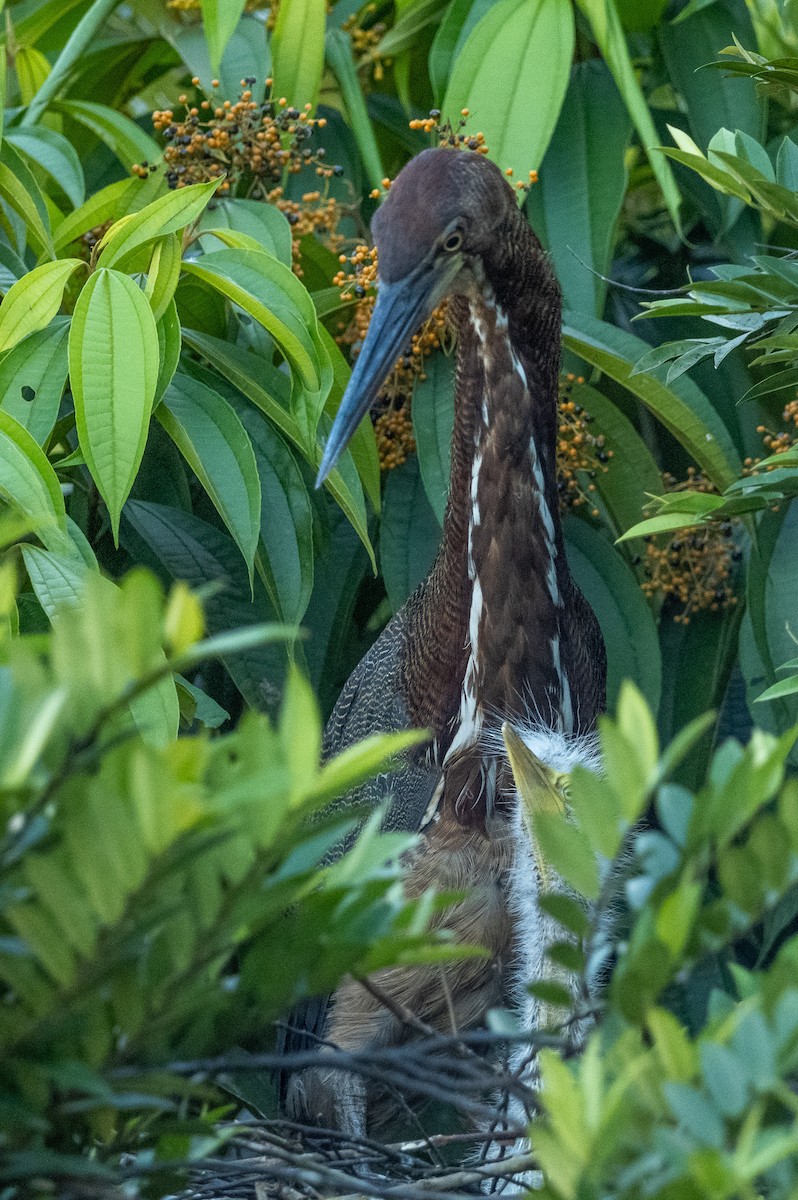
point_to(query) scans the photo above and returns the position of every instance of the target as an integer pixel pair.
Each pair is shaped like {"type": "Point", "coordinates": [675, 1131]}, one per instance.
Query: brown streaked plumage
{"type": "Point", "coordinates": [498, 631]}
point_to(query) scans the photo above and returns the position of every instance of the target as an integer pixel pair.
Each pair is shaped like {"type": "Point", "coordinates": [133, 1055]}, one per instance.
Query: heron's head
{"type": "Point", "coordinates": [431, 233]}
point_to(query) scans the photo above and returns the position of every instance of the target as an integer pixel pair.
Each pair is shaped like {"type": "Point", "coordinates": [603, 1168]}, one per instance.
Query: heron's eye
{"type": "Point", "coordinates": [453, 242]}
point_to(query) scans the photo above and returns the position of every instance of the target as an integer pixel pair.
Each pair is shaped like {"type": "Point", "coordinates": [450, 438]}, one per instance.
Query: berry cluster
{"type": "Point", "coordinates": [316, 213]}
{"type": "Point", "coordinates": [365, 41]}
{"type": "Point", "coordinates": [457, 139]}
{"type": "Point", "coordinates": [783, 440]}
{"type": "Point", "coordinates": [394, 431]}
{"type": "Point", "coordinates": [581, 454]}
{"type": "Point", "coordinates": [245, 141]}
{"type": "Point", "coordinates": [692, 568]}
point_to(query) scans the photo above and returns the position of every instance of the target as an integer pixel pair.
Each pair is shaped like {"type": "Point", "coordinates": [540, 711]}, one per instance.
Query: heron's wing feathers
{"type": "Point", "coordinates": [371, 702]}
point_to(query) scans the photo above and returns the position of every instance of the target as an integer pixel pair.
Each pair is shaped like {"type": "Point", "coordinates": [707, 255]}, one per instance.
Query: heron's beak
{"type": "Point", "coordinates": [400, 309]}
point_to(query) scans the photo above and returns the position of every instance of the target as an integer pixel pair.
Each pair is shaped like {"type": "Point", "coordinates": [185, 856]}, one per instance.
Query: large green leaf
{"type": "Point", "coordinates": [167, 214]}
{"type": "Point", "coordinates": [55, 155]}
{"type": "Point", "coordinates": [20, 190]}
{"type": "Point", "coordinates": [27, 481]}
{"type": "Point", "coordinates": [269, 292]}
{"type": "Point", "coordinates": [192, 550]}
{"type": "Point", "coordinates": [714, 100]}
{"type": "Point", "coordinates": [163, 273]}
{"type": "Point", "coordinates": [433, 421]}
{"type": "Point", "coordinates": [519, 48]}
{"type": "Point", "coordinates": [109, 204]}
{"type": "Point", "coordinates": [609, 35]}
{"type": "Point", "coordinates": [574, 206]}
{"type": "Point", "coordinates": [32, 378]}
{"type": "Point", "coordinates": [35, 22]}
{"type": "Point", "coordinates": [216, 446]}
{"type": "Point", "coordinates": [459, 19]}
{"type": "Point", "coordinates": [286, 525]}
{"type": "Point", "coordinates": [682, 408]}
{"type": "Point", "coordinates": [631, 475]}
{"type": "Point", "coordinates": [169, 346]}
{"type": "Point", "coordinates": [298, 50]}
{"type": "Point", "coordinates": [261, 221]}
{"type": "Point", "coordinates": [246, 56]}
{"type": "Point", "coordinates": [220, 18]}
{"type": "Point", "coordinates": [56, 578]}
{"type": "Point", "coordinates": [613, 593]}
{"type": "Point", "coordinates": [638, 16]}
{"type": "Point", "coordinates": [34, 300]}
{"type": "Point", "coordinates": [341, 61]}
{"type": "Point", "coordinates": [122, 136]}
{"type": "Point", "coordinates": [412, 18]}
{"type": "Point", "coordinates": [409, 533]}
{"type": "Point", "coordinates": [247, 373]}
{"type": "Point", "coordinates": [772, 595]}
{"type": "Point", "coordinates": [113, 370]}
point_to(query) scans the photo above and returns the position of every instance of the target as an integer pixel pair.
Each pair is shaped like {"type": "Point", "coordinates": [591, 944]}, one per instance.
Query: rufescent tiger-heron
{"type": "Point", "coordinates": [498, 632]}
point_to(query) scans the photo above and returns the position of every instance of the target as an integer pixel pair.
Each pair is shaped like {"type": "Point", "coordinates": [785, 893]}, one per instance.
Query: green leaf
{"type": "Point", "coordinates": [32, 378]}
{"type": "Point", "coordinates": [55, 155]}
{"type": "Point", "coordinates": [19, 189]}
{"type": "Point", "coordinates": [631, 474]}
{"type": "Point", "coordinates": [27, 481]}
{"type": "Point", "coordinates": [113, 369]}
{"type": "Point", "coordinates": [110, 203]}
{"type": "Point", "coordinates": [459, 19]}
{"type": "Point", "coordinates": [198, 553]}
{"type": "Point", "coordinates": [32, 68]}
{"type": "Point", "coordinates": [639, 16]}
{"type": "Point", "coordinates": [163, 273]}
{"type": "Point", "coordinates": [216, 446]}
{"type": "Point", "coordinates": [156, 712]}
{"type": "Point", "coordinates": [662, 524]}
{"type": "Point", "coordinates": [34, 300]}
{"type": "Point", "coordinates": [270, 293]}
{"type": "Point", "coordinates": [413, 17]}
{"type": "Point", "coordinates": [568, 850]}
{"type": "Point", "coordinates": [433, 421]}
{"type": "Point", "coordinates": [341, 60]}
{"type": "Point", "coordinates": [724, 1076]}
{"type": "Point", "coordinates": [169, 346]}
{"type": "Point", "coordinates": [122, 136]}
{"type": "Point", "coordinates": [519, 48]}
{"type": "Point", "coordinates": [168, 214]}
{"type": "Point", "coordinates": [409, 533]}
{"type": "Point", "coordinates": [57, 578]}
{"type": "Point", "coordinates": [784, 687]}
{"type": "Point", "coordinates": [220, 18]}
{"type": "Point", "coordinates": [574, 206]}
{"type": "Point", "coordinates": [682, 408]}
{"type": "Point", "coordinates": [259, 220]}
{"type": "Point", "coordinates": [612, 590]}
{"type": "Point", "coordinates": [246, 55]}
{"type": "Point", "coordinates": [286, 523]}
{"type": "Point", "coordinates": [713, 100]}
{"type": "Point", "coordinates": [363, 760]}
{"type": "Point", "coordinates": [298, 51]}
{"type": "Point", "coordinates": [610, 39]}
{"type": "Point", "coordinates": [245, 371]}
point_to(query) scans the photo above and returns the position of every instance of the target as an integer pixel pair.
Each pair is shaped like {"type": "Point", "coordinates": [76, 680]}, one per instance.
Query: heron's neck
{"type": "Point", "coordinates": [493, 605]}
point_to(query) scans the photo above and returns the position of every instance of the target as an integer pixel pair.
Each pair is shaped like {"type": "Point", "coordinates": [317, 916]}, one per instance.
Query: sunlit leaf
{"type": "Point", "coordinates": [113, 369]}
